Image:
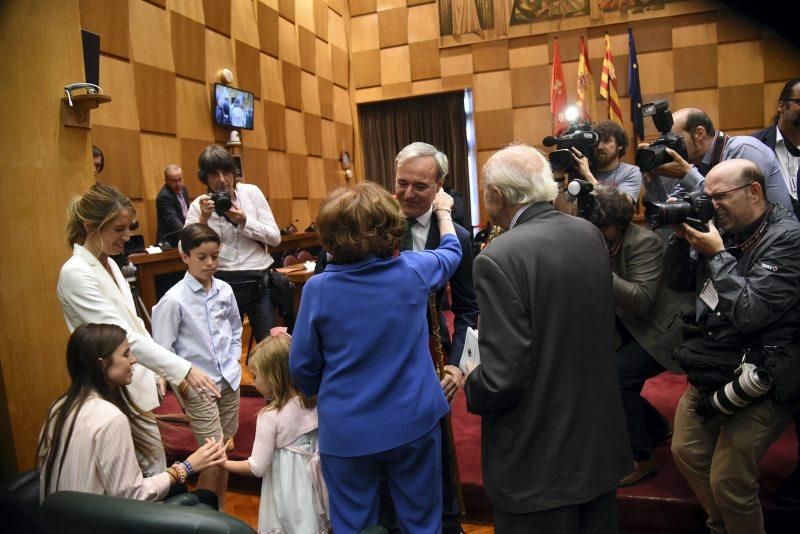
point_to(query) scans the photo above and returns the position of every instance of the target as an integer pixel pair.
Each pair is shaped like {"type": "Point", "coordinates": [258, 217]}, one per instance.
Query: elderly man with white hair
{"type": "Point", "coordinates": [554, 442]}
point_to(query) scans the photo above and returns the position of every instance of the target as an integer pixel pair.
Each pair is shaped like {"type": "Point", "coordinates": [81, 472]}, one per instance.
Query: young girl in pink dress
{"type": "Point", "coordinates": [285, 451]}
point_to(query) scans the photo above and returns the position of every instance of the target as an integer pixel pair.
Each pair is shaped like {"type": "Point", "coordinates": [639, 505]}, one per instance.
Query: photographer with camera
{"type": "Point", "coordinates": [241, 216]}
{"type": "Point", "coordinates": [608, 169]}
{"type": "Point", "coordinates": [690, 147]}
{"type": "Point", "coordinates": [747, 307]}
{"type": "Point", "coordinates": [648, 325]}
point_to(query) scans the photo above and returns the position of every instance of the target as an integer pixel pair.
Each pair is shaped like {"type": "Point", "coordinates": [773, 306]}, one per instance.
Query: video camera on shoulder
{"type": "Point", "coordinates": [656, 154]}
{"type": "Point", "coordinates": [695, 209]}
{"type": "Point", "coordinates": [579, 136]}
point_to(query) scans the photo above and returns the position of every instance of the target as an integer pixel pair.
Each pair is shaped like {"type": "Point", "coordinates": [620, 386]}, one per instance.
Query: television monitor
{"type": "Point", "coordinates": [233, 108]}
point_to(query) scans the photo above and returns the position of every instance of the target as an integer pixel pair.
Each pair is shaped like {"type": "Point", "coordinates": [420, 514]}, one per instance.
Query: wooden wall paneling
{"type": "Point", "coordinates": [530, 86]}
{"type": "Point", "coordinates": [426, 87]}
{"type": "Point", "coordinates": [271, 79]}
{"type": "Point", "coordinates": [287, 9]}
{"type": "Point", "coordinates": [366, 68]}
{"type": "Point", "coordinates": [494, 129]}
{"type": "Point", "coordinates": [295, 132]}
{"type": "Point", "coordinates": [371, 94]}
{"type": "Point", "coordinates": [364, 33]}
{"type": "Point", "coordinates": [304, 15]}
{"type": "Point", "coordinates": [257, 137]}
{"type": "Point", "coordinates": [108, 19]}
{"type": "Point", "coordinates": [150, 36]}
{"type": "Point", "coordinates": [190, 152]}
{"type": "Point", "coordinates": [326, 98]}
{"type": "Point", "coordinates": [740, 63]}
{"type": "Point", "coordinates": [568, 44]}
{"type": "Point", "coordinates": [188, 46]}
{"type": "Point", "coordinates": [308, 49]}
{"type": "Point", "coordinates": [490, 56]}
{"type": "Point", "coordinates": [321, 19]}
{"type": "Point", "coordinates": [322, 57]}
{"type": "Point", "coordinates": [384, 5]}
{"type": "Point", "coordinates": [309, 88]}
{"type": "Point", "coordinates": [772, 92]}
{"type": "Point", "coordinates": [618, 34]}
{"type": "Point", "coordinates": [341, 67]}
{"type": "Point", "coordinates": [344, 137]}
{"type": "Point", "coordinates": [244, 26]}
{"type": "Point", "coordinates": [298, 174]}
{"type": "Point", "coordinates": [313, 127]}
{"type": "Point", "coordinates": [268, 30]}
{"type": "Point", "coordinates": [155, 98]}
{"type": "Point", "coordinates": [337, 33]}
{"type": "Point", "coordinates": [395, 65]}
{"type": "Point", "coordinates": [341, 106]}
{"type": "Point", "coordinates": [731, 27]}
{"type": "Point", "coordinates": [423, 23]}
{"type": "Point", "coordinates": [289, 47]}
{"type": "Point", "coordinates": [393, 27]}
{"type": "Point", "coordinates": [292, 89]}
{"type": "Point", "coordinates": [695, 29]}
{"type": "Point", "coordinates": [532, 124]}
{"type": "Point", "coordinates": [313, 207]}
{"type": "Point", "coordinates": [193, 110]}
{"type": "Point", "coordinates": [218, 15]}
{"type": "Point", "coordinates": [424, 59]}
{"type": "Point", "coordinates": [116, 79]}
{"type": "Point", "coordinates": [248, 65]}
{"type": "Point", "coordinates": [493, 90]}
{"type": "Point", "coordinates": [333, 174]}
{"type": "Point", "coordinates": [361, 7]}
{"type": "Point", "coordinates": [281, 210]}
{"type": "Point", "coordinates": [695, 67]}
{"type": "Point", "coordinates": [781, 58]}
{"type": "Point", "coordinates": [655, 72]}
{"type": "Point", "coordinates": [316, 178]}
{"type": "Point", "coordinates": [455, 61]}
{"type": "Point", "coordinates": [706, 99]}
{"type": "Point", "coordinates": [160, 3]}
{"type": "Point", "coordinates": [156, 152]}
{"type": "Point", "coordinates": [528, 51]}
{"type": "Point", "coordinates": [419, 2]}
{"type": "Point", "coordinates": [460, 81]}
{"type": "Point", "coordinates": [328, 133]}
{"type": "Point", "coordinates": [278, 175]}
{"type": "Point", "coordinates": [219, 55]}
{"type": "Point", "coordinates": [189, 8]}
{"type": "Point", "coordinates": [734, 115]}
{"type": "Point", "coordinates": [123, 165]}
{"type": "Point", "coordinates": [651, 35]}
{"type": "Point", "coordinates": [254, 162]}
{"type": "Point", "coordinates": [397, 90]}
{"type": "Point", "coordinates": [275, 125]}
{"type": "Point", "coordinates": [302, 213]}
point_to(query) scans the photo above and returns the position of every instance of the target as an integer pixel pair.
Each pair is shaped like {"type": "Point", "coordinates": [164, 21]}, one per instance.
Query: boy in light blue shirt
{"type": "Point", "coordinates": [199, 320]}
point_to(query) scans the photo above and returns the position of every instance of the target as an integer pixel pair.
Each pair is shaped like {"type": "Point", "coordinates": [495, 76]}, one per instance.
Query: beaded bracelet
{"type": "Point", "coordinates": [180, 472]}
{"type": "Point", "coordinates": [188, 467]}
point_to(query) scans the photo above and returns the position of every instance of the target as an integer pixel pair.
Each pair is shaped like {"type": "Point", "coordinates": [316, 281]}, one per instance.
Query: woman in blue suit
{"type": "Point", "coordinates": [361, 344]}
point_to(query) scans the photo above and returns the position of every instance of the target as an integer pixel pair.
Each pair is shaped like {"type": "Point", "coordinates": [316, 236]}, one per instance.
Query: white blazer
{"type": "Point", "coordinates": [89, 295]}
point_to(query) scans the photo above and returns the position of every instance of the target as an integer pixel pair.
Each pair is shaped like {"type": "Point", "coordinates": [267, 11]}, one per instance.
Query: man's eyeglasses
{"type": "Point", "coordinates": [795, 100]}
{"type": "Point", "coordinates": [722, 195]}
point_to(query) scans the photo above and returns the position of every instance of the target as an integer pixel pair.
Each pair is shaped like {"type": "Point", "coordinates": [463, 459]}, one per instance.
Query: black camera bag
{"type": "Point", "coordinates": [709, 366]}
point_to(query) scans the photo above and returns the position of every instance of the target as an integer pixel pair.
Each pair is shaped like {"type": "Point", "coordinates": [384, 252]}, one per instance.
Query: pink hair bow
{"type": "Point", "coordinates": [279, 330]}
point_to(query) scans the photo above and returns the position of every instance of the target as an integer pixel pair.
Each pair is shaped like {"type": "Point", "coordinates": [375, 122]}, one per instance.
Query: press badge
{"type": "Point", "coordinates": [227, 252]}
{"type": "Point", "coordinates": [709, 295]}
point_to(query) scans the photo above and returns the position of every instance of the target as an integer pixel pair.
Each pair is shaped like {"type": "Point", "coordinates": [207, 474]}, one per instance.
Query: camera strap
{"type": "Point", "coordinates": [719, 146]}
{"type": "Point", "coordinates": [750, 242]}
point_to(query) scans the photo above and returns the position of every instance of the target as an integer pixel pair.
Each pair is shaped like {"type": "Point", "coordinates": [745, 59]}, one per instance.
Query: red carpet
{"type": "Point", "coordinates": [661, 503]}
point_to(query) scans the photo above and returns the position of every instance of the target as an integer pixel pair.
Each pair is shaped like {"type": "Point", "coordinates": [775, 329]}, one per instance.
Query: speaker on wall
{"type": "Point", "coordinates": [91, 56]}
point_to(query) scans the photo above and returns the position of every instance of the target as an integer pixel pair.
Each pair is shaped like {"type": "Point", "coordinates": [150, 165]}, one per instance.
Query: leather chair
{"type": "Point", "coordinates": [70, 512]}
{"type": "Point", "coordinates": [19, 504]}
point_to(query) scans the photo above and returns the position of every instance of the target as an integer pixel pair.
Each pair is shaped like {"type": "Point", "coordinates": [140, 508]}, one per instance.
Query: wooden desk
{"type": "Point", "coordinates": [149, 266]}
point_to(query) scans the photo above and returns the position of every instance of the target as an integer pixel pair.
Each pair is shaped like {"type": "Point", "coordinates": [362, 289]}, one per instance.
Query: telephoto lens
{"type": "Point", "coordinates": [753, 383]}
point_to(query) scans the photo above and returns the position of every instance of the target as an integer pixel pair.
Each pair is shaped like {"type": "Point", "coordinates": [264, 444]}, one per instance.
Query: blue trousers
{"type": "Point", "coordinates": [414, 474]}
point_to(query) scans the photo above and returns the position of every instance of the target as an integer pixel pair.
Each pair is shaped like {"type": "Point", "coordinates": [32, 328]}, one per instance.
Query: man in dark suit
{"type": "Point", "coordinates": [172, 203]}
{"type": "Point", "coordinates": [554, 444]}
{"type": "Point", "coordinates": [420, 170]}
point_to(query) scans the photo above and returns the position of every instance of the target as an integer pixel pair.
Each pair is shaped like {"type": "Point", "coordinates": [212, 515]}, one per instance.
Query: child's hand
{"type": "Point", "coordinates": [210, 454]}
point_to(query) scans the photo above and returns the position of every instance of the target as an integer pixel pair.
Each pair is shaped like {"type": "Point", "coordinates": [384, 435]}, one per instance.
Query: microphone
{"type": "Point", "coordinates": [549, 141]}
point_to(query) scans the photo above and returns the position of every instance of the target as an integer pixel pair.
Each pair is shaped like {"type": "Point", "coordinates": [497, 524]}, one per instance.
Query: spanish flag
{"type": "Point", "coordinates": [608, 85]}
{"type": "Point", "coordinates": [558, 93]}
{"type": "Point", "coordinates": [586, 100]}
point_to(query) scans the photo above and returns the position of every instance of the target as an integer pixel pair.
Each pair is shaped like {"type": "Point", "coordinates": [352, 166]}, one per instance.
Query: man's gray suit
{"type": "Point", "coordinates": [553, 428]}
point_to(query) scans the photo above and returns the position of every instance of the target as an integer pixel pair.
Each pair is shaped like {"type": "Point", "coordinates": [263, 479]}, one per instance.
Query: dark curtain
{"type": "Point", "coordinates": [386, 127]}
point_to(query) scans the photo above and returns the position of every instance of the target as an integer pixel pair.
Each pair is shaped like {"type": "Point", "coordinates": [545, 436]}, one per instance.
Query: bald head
{"type": "Point", "coordinates": [738, 172]}
{"type": "Point", "coordinates": [173, 177]}
{"type": "Point", "coordinates": [737, 189]}
{"type": "Point", "coordinates": [697, 130]}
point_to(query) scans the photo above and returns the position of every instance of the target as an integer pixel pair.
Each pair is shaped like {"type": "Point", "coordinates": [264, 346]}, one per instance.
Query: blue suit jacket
{"type": "Point", "coordinates": [361, 344]}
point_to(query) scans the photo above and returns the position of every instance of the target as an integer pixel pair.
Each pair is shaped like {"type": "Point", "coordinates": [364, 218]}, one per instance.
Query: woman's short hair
{"type": "Point", "coordinates": [215, 158]}
{"type": "Point", "coordinates": [356, 222]}
{"type": "Point", "coordinates": [522, 175]}
{"type": "Point", "coordinates": [195, 234]}
{"type": "Point", "coordinates": [422, 150]}
{"type": "Point", "coordinates": [610, 208]}
{"type": "Point", "coordinates": [97, 207]}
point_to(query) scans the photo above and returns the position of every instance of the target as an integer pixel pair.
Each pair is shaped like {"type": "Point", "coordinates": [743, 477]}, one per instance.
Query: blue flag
{"type": "Point", "coordinates": [635, 89]}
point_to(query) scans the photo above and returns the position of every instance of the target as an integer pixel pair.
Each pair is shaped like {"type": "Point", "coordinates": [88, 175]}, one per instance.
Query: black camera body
{"type": "Point", "coordinates": [584, 199]}
{"type": "Point", "coordinates": [579, 136]}
{"type": "Point", "coordinates": [695, 209]}
{"type": "Point", "coordinates": [222, 202]}
{"type": "Point", "coordinates": [654, 155]}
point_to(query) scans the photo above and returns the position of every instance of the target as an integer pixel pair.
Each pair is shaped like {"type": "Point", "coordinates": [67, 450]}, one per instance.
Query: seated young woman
{"type": "Point", "coordinates": [86, 443]}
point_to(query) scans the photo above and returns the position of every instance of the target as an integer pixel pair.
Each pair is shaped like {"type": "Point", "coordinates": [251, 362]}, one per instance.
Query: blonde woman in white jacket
{"type": "Point", "coordinates": [92, 289]}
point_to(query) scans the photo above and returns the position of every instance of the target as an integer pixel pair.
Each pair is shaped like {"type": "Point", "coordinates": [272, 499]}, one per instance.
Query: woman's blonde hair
{"type": "Point", "coordinates": [271, 360]}
{"type": "Point", "coordinates": [356, 222]}
{"type": "Point", "coordinates": [96, 208]}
